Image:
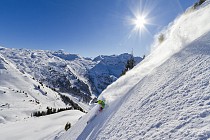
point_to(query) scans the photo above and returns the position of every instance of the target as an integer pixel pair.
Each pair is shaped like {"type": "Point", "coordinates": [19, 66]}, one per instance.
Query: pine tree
{"type": "Point", "coordinates": [201, 1]}
{"type": "Point", "coordinates": [161, 38]}
{"type": "Point", "coordinates": [67, 126]}
{"type": "Point", "coordinates": [129, 65]}
{"type": "Point", "coordinates": [198, 3]}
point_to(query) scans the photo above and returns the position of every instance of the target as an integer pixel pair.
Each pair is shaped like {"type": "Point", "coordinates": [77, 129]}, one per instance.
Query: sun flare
{"type": "Point", "coordinates": [139, 22]}
{"type": "Point", "coordinates": [140, 19]}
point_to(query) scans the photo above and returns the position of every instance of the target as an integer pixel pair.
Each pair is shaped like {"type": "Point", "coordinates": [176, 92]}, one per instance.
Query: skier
{"type": "Point", "coordinates": [102, 104]}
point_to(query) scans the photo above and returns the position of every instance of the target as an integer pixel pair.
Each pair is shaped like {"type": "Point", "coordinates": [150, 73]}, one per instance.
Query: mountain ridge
{"type": "Point", "coordinates": [84, 78]}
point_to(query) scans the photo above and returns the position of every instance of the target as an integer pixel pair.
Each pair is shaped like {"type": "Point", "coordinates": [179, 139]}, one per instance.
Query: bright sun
{"type": "Point", "coordinates": [139, 22]}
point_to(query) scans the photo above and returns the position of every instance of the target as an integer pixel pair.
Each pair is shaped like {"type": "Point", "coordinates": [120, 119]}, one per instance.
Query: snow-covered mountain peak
{"type": "Point", "coordinates": [112, 57]}
{"type": "Point", "coordinates": [66, 56]}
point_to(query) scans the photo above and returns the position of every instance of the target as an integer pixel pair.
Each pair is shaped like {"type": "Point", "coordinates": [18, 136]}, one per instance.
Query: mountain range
{"type": "Point", "coordinates": [81, 77]}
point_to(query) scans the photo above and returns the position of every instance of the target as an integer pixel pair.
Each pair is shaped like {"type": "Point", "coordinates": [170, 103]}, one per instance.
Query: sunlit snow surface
{"type": "Point", "coordinates": [39, 128]}
{"type": "Point", "coordinates": [166, 96]}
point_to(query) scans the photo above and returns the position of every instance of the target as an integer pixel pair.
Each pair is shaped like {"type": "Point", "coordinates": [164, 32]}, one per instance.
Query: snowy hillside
{"type": "Point", "coordinates": [39, 128]}
{"type": "Point", "coordinates": [69, 73]}
{"type": "Point", "coordinates": [21, 96]}
{"type": "Point", "coordinates": [166, 96]}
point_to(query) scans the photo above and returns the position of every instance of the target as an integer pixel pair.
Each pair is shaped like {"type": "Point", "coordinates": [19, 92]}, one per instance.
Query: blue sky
{"type": "Point", "coordinates": [85, 27]}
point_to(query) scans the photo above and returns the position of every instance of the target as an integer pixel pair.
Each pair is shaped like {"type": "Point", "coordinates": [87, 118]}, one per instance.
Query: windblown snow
{"type": "Point", "coordinates": [166, 96]}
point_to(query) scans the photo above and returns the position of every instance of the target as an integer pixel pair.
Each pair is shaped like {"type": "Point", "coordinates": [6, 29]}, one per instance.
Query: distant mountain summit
{"type": "Point", "coordinates": [69, 73]}
{"type": "Point", "coordinates": [108, 69]}
{"type": "Point", "coordinates": [66, 56]}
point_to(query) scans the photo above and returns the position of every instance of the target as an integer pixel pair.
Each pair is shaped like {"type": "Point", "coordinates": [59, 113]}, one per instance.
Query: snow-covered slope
{"type": "Point", "coordinates": [21, 96]}
{"type": "Point", "coordinates": [81, 77]}
{"type": "Point", "coordinates": [39, 128]}
{"type": "Point", "coordinates": [166, 96]}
